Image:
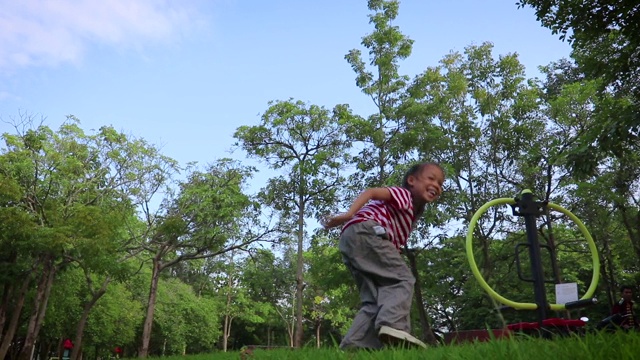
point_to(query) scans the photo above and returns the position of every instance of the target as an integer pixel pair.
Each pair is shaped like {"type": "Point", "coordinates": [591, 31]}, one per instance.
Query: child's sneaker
{"type": "Point", "coordinates": [391, 336]}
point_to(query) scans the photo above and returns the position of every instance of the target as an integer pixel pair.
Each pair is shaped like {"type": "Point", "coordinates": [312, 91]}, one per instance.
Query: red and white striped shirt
{"type": "Point", "coordinates": [396, 216]}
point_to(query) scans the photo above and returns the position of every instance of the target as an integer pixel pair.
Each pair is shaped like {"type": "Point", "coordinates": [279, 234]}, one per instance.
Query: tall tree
{"type": "Point", "coordinates": [210, 216]}
{"type": "Point", "coordinates": [330, 289]}
{"type": "Point", "coordinates": [269, 281]}
{"type": "Point", "coordinates": [604, 38]}
{"type": "Point", "coordinates": [73, 186]}
{"type": "Point", "coordinates": [381, 134]}
{"type": "Point", "coordinates": [467, 113]}
{"type": "Point", "coordinates": [307, 142]}
{"type": "Point", "coordinates": [477, 104]}
{"type": "Point", "coordinates": [382, 82]}
{"type": "Point", "coordinates": [238, 303]}
{"type": "Point", "coordinates": [573, 106]}
{"type": "Point", "coordinates": [138, 171]}
{"type": "Point", "coordinates": [184, 322]}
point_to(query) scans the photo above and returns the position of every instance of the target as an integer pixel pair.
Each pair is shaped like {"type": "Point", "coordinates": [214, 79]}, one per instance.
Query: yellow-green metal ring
{"type": "Point", "coordinates": [530, 306]}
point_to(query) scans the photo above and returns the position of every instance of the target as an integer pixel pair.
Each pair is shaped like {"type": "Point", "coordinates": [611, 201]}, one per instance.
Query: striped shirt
{"type": "Point", "coordinates": [396, 216]}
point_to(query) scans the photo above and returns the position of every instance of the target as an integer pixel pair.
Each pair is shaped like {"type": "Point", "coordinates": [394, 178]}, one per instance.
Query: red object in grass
{"type": "Point", "coordinates": [553, 322]}
{"type": "Point", "coordinates": [563, 323]}
{"type": "Point", "coordinates": [523, 326]}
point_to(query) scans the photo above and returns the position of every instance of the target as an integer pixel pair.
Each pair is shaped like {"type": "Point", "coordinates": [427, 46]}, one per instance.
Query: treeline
{"type": "Point", "coordinates": [109, 242]}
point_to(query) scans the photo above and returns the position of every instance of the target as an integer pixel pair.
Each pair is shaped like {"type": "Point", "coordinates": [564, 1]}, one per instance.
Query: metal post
{"type": "Point", "coordinates": [530, 210]}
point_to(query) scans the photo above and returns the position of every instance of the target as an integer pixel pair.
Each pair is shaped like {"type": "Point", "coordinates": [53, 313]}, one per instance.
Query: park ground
{"type": "Point", "coordinates": [618, 346]}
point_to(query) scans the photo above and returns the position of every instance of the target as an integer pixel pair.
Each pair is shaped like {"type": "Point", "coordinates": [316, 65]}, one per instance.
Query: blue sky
{"type": "Point", "coordinates": [185, 74]}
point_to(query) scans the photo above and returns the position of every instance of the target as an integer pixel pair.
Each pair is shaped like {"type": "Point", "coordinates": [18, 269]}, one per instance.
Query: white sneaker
{"type": "Point", "coordinates": [394, 336]}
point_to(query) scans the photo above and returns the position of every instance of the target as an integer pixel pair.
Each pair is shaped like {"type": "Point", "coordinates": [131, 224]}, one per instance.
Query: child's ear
{"type": "Point", "coordinates": [410, 180]}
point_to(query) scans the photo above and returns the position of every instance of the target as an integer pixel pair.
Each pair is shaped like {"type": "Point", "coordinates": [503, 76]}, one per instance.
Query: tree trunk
{"type": "Point", "coordinates": [226, 330]}
{"type": "Point", "coordinates": [291, 327]}
{"type": "Point", "coordinates": [268, 336]}
{"type": "Point", "coordinates": [632, 225]}
{"type": "Point", "coordinates": [44, 351]}
{"type": "Point", "coordinates": [487, 266]}
{"type": "Point", "coordinates": [40, 308]}
{"type": "Point", "coordinates": [291, 337]}
{"type": "Point", "coordinates": [225, 336]}
{"type": "Point", "coordinates": [143, 351]}
{"type": "Point", "coordinates": [75, 352]}
{"type": "Point", "coordinates": [604, 275]}
{"type": "Point", "coordinates": [7, 337]}
{"type": "Point", "coordinates": [299, 274]}
{"type": "Point", "coordinates": [288, 325]}
{"type": "Point", "coordinates": [7, 295]}
{"type": "Point", "coordinates": [427, 332]}
{"type": "Point", "coordinates": [318, 325]}
{"type": "Point", "coordinates": [608, 271]}
{"type": "Point", "coordinates": [7, 292]}
{"type": "Point", "coordinates": [557, 274]}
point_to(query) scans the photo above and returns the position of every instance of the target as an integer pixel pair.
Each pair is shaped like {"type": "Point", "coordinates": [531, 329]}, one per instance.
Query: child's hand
{"type": "Point", "coordinates": [334, 220]}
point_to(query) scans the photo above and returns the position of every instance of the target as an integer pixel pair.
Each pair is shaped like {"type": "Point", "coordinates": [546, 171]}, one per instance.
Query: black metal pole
{"type": "Point", "coordinates": [530, 210]}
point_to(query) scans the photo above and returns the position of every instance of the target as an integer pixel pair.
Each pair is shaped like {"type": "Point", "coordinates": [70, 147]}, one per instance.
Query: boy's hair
{"type": "Point", "coordinates": [417, 169]}
{"type": "Point", "coordinates": [625, 287]}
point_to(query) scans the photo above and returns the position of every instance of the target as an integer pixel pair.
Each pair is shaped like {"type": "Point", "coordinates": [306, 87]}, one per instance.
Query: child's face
{"type": "Point", "coordinates": [426, 186]}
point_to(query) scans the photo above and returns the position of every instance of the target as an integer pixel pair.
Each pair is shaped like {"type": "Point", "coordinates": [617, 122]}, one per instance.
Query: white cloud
{"type": "Point", "coordinates": [50, 32]}
{"type": "Point", "coordinates": [4, 95]}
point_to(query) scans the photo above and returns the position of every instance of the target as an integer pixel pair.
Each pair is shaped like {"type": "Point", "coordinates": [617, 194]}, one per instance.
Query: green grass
{"type": "Point", "coordinates": [617, 346]}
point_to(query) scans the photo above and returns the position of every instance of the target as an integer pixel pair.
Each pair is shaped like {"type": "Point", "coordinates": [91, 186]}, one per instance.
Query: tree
{"type": "Point", "coordinates": [382, 82]}
{"type": "Point", "coordinates": [474, 114]}
{"type": "Point", "coordinates": [269, 282]}
{"type": "Point", "coordinates": [330, 289]}
{"type": "Point", "coordinates": [237, 301]}
{"type": "Point", "coordinates": [113, 320]}
{"type": "Point", "coordinates": [75, 189]}
{"type": "Point", "coordinates": [307, 142]}
{"type": "Point", "coordinates": [604, 38]}
{"type": "Point", "coordinates": [287, 306]}
{"type": "Point", "coordinates": [573, 106]}
{"type": "Point", "coordinates": [184, 322]}
{"type": "Point", "coordinates": [16, 229]}
{"type": "Point", "coordinates": [381, 134]}
{"type": "Point", "coordinates": [595, 204]}
{"type": "Point", "coordinates": [210, 216]}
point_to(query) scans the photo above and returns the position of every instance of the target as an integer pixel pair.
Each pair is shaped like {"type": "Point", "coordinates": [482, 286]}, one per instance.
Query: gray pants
{"type": "Point", "coordinates": [384, 281]}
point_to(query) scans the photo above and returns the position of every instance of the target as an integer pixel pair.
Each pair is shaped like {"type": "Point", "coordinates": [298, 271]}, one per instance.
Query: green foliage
{"type": "Point", "coordinates": [378, 134]}
{"type": "Point", "coordinates": [604, 39]}
{"type": "Point", "coordinates": [72, 192]}
{"type": "Point", "coordinates": [329, 286]}
{"type": "Point", "coordinates": [205, 216]}
{"type": "Point", "coordinates": [307, 143]}
{"type": "Point", "coordinates": [269, 284]}
{"type": "Point", "coordinates": [115, 318]}
{"type": "Point", "coordinates": [65, 304]}
{"type": "Point", "coordinates": [185, 322]}
{"type": "Point", "coordinates": [387, 46]}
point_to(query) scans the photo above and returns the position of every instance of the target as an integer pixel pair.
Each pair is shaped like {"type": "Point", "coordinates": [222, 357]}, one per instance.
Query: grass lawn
{"type": "Point", "coordinates": [616, 346]}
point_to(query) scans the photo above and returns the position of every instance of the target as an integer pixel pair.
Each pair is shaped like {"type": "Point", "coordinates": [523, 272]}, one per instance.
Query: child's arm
{"type": "Point", "coordinates": [382, 194]}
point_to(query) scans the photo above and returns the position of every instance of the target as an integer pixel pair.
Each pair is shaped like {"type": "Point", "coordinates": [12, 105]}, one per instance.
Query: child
{"type": "Point", "coordinates": [624, 307]}
{"type": "Point", "coordinates": [377, 224]}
